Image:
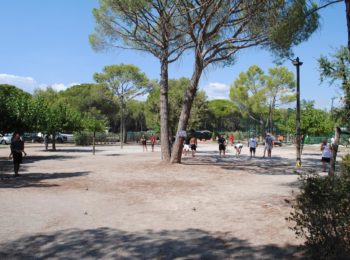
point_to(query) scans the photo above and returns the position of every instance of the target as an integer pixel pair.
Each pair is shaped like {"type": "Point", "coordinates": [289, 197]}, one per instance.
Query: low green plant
{"type": "Point", "coordinates": [321, 214]}
{"type": "Point", "coordinates": [83, 138]}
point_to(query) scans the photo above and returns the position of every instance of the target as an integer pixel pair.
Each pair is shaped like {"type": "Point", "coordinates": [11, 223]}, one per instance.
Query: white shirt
{"type": "Point", "coordinates": [239, 145]}
{"type": "Point", "coordinates": [252, 143]}
{"type": "Point", "coordinates": [326, 152]}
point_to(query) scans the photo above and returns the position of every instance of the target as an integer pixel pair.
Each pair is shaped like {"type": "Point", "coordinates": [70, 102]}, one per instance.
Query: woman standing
{"type": "Point", "coordinates": [144, 142]}
{"type": "Point", "coordinates": [326, 153]}
{"type": "Point", "coordinates": [152, 139]}
{"type": "Point", "coordinates": [17, 148]}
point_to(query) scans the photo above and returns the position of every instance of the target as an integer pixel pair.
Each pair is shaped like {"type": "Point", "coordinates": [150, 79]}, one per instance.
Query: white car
{"type": "Point", "coordinates": [5, 139]}
{"type": "Point", "coordinates": [64, 138]}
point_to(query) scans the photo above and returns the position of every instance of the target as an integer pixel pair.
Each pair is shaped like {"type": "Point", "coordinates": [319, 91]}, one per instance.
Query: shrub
{"type": "Point", "coordinates": [82, 138]}
{"type": "Point", "coordinates": [321, 214]}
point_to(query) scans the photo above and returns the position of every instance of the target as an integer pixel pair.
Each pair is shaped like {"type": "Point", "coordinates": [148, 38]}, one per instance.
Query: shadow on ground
{"type": "Point", "coordinates": [6, 165]}
{"type": "Point", "coordinates": [35, 179]}
{"type": "Point", "coordinates": [275, 166]}
{"type": "Point", "coordinates": [35, 158]}
{"type": "Point", "coordinates": [75, 150]}
{"type": "Point", "coordinates": [106, 243]}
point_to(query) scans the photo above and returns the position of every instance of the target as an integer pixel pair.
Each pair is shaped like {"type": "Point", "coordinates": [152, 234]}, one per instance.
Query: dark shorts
{"type": "Point", "coordinates": [222, 147]}
{"type": "Point", "coordinates": [17, 158]}
{"type": "Point", "coordinates": [193, 147]}
{"type": "Point", "coordinates": [143, 142]}
{"type": "Point", "coordinates": [252, 149]}
{"type": "Point", "coordinates": [325, 159]}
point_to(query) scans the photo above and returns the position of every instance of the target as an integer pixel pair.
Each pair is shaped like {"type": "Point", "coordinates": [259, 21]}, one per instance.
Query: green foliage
{"type": "Point", "coordinates": [248, 94]}
{"type": "Point", "coordinates": [222, 114]}
{"type": "Point", "coordinates": [280, 86]}
{"type": "Point", "coordinates": [125, 80]}
{"type": "Point", "coordinates": [56, 114]}
{"type": "Point", "coordinates": [288, 23]}
{"type": "Point", "coordinates": [19, 112]}
{"type": "Point", "coordinates": [94, 121]}
{"type": "Point", "coordinates": [176, 96]}
{"type": "Point", "coordinates": [314, 122]}
{"type": "Point", "coordinates": [322, 214]}
{"type": "Point", "coordinates": [135, 115]}
{"type": "Point", "coordinates": [337, 72]}
{"type": "Point", "coordinates": [83, 138]}
{"type": "Point", "coordinates": [83, 97]}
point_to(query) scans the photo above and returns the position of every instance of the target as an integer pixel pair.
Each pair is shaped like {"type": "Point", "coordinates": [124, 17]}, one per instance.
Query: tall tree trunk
{"type": "Point", "coordinates": [164, 112]}
{"type": "Point", "coordinates": [335, 146]}
{"type": "Point", "coordinates": [54, 142]}
{"type": "Point", "coordinates": [93, 142]}
{"type": "Point", "coordinates": [186, 109]}
{"type": "Point", "coordinates": [125, 135]}
{"type": "Point", "coordinates": [347, 8]}
{"type": "Point", "coordinates": [121, 136]}
{"type": "Point", "coordinates": [270, 119]}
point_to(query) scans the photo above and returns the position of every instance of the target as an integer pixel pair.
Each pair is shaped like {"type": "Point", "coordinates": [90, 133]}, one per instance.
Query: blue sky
{"type": "Point", "coordinates": [46, 43]}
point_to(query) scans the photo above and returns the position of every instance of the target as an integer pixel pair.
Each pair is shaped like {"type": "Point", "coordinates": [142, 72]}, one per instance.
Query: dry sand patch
{"type": "Point", "coordinates": [126, 204]}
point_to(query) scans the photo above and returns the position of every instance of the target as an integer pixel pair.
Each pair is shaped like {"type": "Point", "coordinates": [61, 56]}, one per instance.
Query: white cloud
{"type": "Point", "coordinates": [216, 90]}
{"type": "Point", "coordinates": [26, 83]}
{"type": "Point", "coordinates": [29, 84]}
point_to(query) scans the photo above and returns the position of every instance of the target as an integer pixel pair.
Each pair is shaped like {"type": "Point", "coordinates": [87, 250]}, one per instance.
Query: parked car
{"type": "Point", "coordinates": [5, 139]}
{"type": "Point", "coordinates": [32, 137]}
{"type": "Point", "coordinates": [200, 134]}
{"type": "Point", "coordinates": [64, 138]}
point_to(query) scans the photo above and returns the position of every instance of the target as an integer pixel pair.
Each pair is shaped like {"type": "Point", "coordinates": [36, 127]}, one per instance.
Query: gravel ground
{"type": "Point", "coordinates": [126, 204]}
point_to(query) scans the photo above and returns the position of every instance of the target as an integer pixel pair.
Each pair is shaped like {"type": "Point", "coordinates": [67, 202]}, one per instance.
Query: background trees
{"type": "Point", "coordinates": [55, 114]}
{"type": "Point", "coordinates": [314, 122]}
{"type": "Point", "coordinates": [337, 71]}
{"type": "Point", "coordinates": [176, 89]}
{"type": "Point", "coordinates": [149, 26]}
{"type": "Point", "coordinates": [257, 95]}
{"type": "Point", "coordinates": [17, 110]}
{"type": "Point", "coordinates": [83, 97]}
{"type": "Point", "coordinates": [126, 82]}
{"type": "Point", "coordinates": [222, 116]}
{"type": "Point", "coordinates": [221, 29]}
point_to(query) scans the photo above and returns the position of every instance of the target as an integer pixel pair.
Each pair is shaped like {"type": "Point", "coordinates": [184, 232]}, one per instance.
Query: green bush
{"type": "Point", "coordinates": [321, 214]}
{"type": "Point", "coordinates": [82, 138]}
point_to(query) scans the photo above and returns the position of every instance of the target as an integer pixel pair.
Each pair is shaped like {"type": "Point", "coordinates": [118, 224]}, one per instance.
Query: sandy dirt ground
{"type": "Point", "coordinates": [126, 204]}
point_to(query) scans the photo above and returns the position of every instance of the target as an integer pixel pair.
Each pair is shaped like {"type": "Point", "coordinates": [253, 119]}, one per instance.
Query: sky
{"type": "Point", "coordinates": [45, 43]}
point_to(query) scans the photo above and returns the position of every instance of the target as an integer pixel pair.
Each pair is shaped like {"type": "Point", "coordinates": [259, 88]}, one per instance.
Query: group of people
{"type": "Point", "coordinates": [17, 148]}
{"type": "Point", "coordinates": [152, 140]}
{"type": "Point", "coordinates": [252, 144]}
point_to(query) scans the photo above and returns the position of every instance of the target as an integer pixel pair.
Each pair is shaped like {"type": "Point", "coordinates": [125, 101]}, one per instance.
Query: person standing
{"type": "Point", "coordinates": [252, 144]}
{"type": "Point", "coordinates": [17, 151]}
{"type": "Point", "coordinates": [232, 139]}
{"type": "Point", "coordinates": [193, 144]}
{"type": "Point", "coordinates": [268, 145]}
{"type": "Point", "coordinates": [222, 145]}
{"type": "Point", "coordinates": [144, 143]}
{"type": "Point", "coordinates": [152, 139]}
{"type": "Point", "coordinates": [46, 142]}
{"type": "Point", "coordinates": [326, 154]}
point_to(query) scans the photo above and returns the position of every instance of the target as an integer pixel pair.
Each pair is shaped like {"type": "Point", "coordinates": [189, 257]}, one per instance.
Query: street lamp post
{"type": "Point", "coordinates": [297, 63]}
